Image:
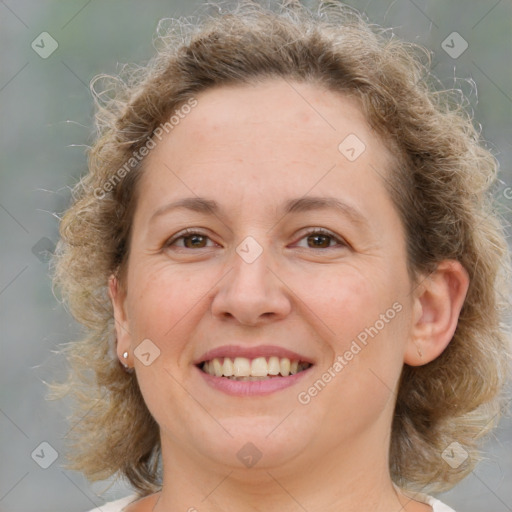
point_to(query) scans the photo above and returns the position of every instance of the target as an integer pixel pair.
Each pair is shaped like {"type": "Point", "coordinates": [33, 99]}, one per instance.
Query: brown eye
{"type": "Point", "coordinates": [190, 240]}
{"type": "Point", "coordinates": [321, 239]}
{"type": "Point", "coordinates": [194, 241]}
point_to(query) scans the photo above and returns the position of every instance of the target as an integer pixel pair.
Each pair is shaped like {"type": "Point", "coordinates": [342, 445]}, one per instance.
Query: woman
{"type": "Point", "coordinates": [290, 274]}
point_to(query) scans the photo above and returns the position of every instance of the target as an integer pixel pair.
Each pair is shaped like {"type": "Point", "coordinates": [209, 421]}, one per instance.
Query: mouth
{"type": "Point", "coordinates": [243, 370]}
{"type": "Point", "coordinates": [246, 369]}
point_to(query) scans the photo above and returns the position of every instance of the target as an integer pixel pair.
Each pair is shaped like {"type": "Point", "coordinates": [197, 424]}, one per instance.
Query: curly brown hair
{"type": "Point", "coordinates": [440, 186]}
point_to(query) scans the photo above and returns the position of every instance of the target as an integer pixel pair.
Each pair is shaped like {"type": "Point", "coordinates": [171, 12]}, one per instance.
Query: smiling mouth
{"type": "Point", "coordinates": [259, 368]}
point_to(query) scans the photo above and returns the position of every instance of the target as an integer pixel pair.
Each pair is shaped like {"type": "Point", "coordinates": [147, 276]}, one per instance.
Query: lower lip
{"type": "Point", "coordinates": [254, 388]}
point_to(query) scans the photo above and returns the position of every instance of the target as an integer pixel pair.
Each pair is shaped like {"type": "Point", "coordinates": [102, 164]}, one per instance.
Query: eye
{"type": "Point", "coordinates": [190, 239]}
{"type": "Point", "coordinates": [319, 238]}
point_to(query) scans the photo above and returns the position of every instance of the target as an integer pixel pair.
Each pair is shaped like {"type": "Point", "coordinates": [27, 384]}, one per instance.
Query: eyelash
{"type": "Point", "coordinates": [313, 231]}
{"type": "Point", "coordinates": [324, 232]}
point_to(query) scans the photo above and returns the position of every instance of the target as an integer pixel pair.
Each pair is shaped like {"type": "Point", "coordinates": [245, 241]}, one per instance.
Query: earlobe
{"type": "Point", "coordinates": [117, 296]}
{"type": "Point", "coordinates": [437, 306]}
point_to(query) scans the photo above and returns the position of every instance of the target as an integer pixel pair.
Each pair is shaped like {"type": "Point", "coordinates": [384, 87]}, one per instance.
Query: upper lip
{"type": "Point", "coordinates": [233, 351]}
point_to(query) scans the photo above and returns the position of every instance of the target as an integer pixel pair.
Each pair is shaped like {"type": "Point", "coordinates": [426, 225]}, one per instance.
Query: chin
{"type": "Point", "coordinates": [257, 442]}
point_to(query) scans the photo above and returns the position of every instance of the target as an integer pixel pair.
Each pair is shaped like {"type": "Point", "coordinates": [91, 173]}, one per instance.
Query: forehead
{"type": "Point", "coordinates": [296, 112]}
{"type": "Point", "coordinates": [277, 126]}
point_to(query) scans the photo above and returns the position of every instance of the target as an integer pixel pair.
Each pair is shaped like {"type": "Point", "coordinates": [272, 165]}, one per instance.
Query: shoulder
{"type": "Point", "coordinates": [116, 506]}
{"type": "Point", "coordinates": [438, 506]}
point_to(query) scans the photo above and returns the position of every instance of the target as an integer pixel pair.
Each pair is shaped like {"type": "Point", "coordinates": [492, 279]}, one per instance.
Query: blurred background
{"type": "Point", "coordinates": [50, 50]}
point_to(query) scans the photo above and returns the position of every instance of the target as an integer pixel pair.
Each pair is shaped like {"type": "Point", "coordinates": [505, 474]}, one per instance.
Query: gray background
{"type": "Point", "coordinates": [46, 119]}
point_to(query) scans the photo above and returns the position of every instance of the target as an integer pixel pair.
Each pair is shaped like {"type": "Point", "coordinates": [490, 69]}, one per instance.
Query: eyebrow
{"type": "Point", "coordinates": [299, 205]}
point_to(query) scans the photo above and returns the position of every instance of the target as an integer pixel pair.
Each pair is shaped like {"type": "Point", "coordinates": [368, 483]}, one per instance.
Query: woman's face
{"type": "Point", "coordinates": [294, 256]}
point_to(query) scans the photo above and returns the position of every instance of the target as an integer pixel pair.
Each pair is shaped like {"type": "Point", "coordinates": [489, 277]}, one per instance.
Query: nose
{"type": "Point", "coordinates": [251, 293]}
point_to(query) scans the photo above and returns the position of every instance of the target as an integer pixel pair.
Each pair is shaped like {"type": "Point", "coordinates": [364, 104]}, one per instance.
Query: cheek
{"type": "Point", "coordinates": [362, 315]}
{"type": "Point", "coordinates": [348, 301]}
{"type": "Point", "coordinates": [161, 297]}
{"type": "Point", "coordinates": [367, 329]}
{"type": "Point", "coordinates": [165, 304]}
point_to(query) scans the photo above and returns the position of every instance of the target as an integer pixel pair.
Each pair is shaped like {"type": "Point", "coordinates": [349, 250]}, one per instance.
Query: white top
{"type": "Point", "coordinates": [118, 505]}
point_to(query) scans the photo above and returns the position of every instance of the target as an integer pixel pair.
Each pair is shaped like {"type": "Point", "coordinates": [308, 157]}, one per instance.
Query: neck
{"type": "Point", "coordinates": [348, 478]}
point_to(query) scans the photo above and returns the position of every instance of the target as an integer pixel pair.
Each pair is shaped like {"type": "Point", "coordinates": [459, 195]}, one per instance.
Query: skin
{"type": "Point", "coordinates": [251, 148]}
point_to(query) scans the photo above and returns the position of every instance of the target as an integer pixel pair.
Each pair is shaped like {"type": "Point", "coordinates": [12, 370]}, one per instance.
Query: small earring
{"type": "Point", "coordinates": [420, 353]}
{"type": "Point", "coordinates": [126, 367]}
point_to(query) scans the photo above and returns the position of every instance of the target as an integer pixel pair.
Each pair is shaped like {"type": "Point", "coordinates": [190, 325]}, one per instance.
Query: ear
{"type": "Point", "coordinates": [437, 306]}
{"type": "Point", "coordinates": [117, 295]}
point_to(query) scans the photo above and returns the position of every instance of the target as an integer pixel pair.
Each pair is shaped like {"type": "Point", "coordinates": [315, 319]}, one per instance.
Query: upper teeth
{"type": "Point", "coordinates": [258, 367]}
